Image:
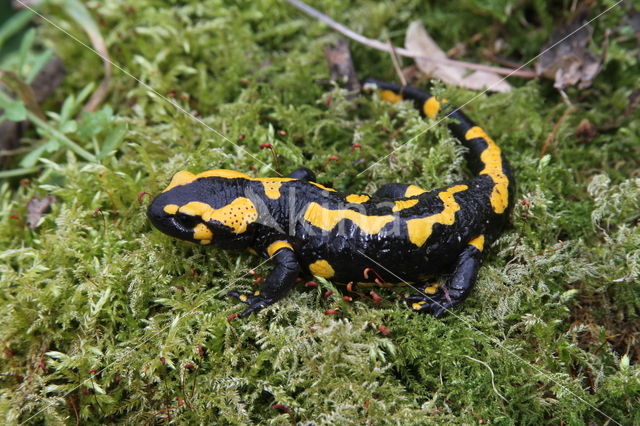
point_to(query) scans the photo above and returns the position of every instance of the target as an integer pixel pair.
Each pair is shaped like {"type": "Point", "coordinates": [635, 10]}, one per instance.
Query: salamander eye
{"type": "Point", "coordinates": [186, 220]}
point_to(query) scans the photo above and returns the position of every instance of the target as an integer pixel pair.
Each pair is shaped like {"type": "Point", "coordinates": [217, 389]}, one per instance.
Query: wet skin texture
{"type": "Point", "coordinates": [401, 233]}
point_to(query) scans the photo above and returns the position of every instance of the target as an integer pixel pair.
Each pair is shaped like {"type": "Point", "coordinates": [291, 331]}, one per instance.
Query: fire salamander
{"type": "Point", "coordinates": [401, 233]}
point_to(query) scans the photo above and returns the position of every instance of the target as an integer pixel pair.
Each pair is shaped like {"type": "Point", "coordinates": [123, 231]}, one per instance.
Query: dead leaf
{"type": "Point", "coordinates": [566, 58]}
{"type": "Point", "coordinates": [36, 208]}
{"type": "Point", "coordinates": [341, 66]}
{"type": "Point", "coordinates": [418, 40]}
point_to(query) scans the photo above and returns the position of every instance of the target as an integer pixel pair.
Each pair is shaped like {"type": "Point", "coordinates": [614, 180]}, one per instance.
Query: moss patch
{"type": "Point", "coordinates": [105, 320]}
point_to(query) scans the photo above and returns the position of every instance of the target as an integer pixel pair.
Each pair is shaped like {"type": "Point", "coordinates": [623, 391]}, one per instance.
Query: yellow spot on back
{"type": "Point", "coordinates": [322, 268]}
{"type": "Point", "coordinates": [413, 190]}
{"type": "Point", "coordinates": [171, 208]}
{"type": "Point", "coordinates": [491, 157]}
{"type": "Point", "coordinates": [389, 96]}
{"type": "Point", "coordinates": [478, 242]}
{"type": "Point", "coordinates": [272, 189]}
{"type": "Point", "coordinates": [202, 232]}
{"type": "Point", "coordinates": [420, 229]}
{"type": "Point", "coordinates": [183, 177]}
{"type": "Point", "coordinates": [403, 204]}
{"type": "Point", "coordinates": [357, 198]}
{"type": "Point", "coordinates": [431, 107]}
{"type": "Point", "coordinates": [237, 215]}
{"type": "Point", "coordinates": [224, 173]}
{"type": "Point", "coordinates": [276, 246]}
{"type": "Point", "coordinates": [326, 219]}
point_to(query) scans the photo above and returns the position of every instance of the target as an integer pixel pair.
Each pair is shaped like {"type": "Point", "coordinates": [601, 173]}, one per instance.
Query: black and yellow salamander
{"type": "Point", "coordinates": [401, 233]}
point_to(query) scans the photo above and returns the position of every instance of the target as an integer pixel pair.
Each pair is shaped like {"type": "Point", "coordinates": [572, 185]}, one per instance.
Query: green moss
{"type": "Point", "coordinates": [106, 320]}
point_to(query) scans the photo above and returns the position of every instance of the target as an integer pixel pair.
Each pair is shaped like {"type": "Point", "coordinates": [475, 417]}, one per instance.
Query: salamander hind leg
{"type": "Point", "coordinates": [457, 288]}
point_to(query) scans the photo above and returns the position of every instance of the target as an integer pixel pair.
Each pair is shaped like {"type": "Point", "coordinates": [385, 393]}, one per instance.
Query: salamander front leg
{"type": "Point", "coordinates": [457, 287]}
{"type": "Point", "coordinates": [278, 283]}
{"type": "Point", "coordinates": [303, 174]}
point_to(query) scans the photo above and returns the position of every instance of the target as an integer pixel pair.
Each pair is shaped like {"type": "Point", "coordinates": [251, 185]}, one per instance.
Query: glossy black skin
{"type": "Point", "coordinates": [353, 254]}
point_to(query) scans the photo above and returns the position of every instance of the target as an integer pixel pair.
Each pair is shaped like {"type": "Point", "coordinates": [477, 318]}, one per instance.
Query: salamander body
{"type": "Point", "coordinates": [401, 233]}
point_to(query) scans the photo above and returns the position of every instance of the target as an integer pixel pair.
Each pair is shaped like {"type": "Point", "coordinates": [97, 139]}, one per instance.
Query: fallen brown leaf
{"type": "Point", "coordinates": [36, 208]}
{"type": "Point", "coordinates": [418, 40]}
{"type": "Point", "coordinates": [341, 66]}
{"type": "Point", "coordinates": [566, 58]}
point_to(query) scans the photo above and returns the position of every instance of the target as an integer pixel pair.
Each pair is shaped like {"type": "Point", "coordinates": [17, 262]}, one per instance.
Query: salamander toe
{"type": "Point", "coordinates": [256, 302]}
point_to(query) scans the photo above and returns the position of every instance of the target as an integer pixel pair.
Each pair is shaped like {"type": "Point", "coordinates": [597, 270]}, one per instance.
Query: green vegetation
{"type": "Point", "coordinates": [105, 320]}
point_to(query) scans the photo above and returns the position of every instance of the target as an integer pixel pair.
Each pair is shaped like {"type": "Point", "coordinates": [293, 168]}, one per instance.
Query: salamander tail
{"type": "Point", "coordinates": [484, 156]}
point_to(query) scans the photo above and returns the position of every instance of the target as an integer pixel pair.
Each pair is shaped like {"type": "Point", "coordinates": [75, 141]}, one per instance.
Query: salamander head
{"type": "Point", "coordinates": [203, 210]}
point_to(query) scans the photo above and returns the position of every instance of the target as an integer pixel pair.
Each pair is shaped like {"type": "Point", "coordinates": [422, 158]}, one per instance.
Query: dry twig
{"type": "Point", "coordinates": [396, 64]}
